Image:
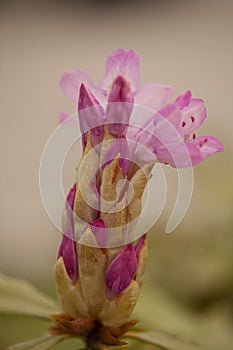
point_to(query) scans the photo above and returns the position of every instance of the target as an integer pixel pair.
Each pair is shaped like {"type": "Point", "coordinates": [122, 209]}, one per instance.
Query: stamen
{"type": "Point", "coordinates": [183, 124]}
{"type": "Point", "coordinates": [192, 119]}
{"type": "Point", "coordinates": [203, 142]}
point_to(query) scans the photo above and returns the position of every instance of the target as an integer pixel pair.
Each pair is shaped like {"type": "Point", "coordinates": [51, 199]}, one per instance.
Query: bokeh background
{"type": "Point", "coordinates": [188, 287]}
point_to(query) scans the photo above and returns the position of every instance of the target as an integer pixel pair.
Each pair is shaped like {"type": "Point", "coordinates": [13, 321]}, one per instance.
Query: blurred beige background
{"type": "Point", "coordinates": [186, 44]}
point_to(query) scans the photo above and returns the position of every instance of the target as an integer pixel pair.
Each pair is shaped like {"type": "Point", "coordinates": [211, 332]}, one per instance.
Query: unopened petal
{"type": "Point", "coordinates": [68, 251]}
{"type": "Point", "coordinates": [91, 116]}
{"type": "Point", "coordinates": [119, 108]}
{"type": "Point", "coordinates": [120, 272]}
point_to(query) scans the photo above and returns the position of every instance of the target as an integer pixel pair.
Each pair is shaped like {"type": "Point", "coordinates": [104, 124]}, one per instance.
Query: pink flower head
{"type": "Point", "coordinates": [168, 135]}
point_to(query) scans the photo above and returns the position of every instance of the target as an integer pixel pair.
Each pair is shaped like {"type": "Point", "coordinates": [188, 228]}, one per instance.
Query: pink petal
{"type": "Point", "coordinates": [68, 251]}
{"type": "Point", "coordinates": [63, 117]}
{"type": "Point", "coordinates": [66, 119]}
{"type": "Point", "coordinates": [124, 63]}
{"type": "Point", "coordinates": [120, 272]}
{"type": "Point", "coordinates": [193, 116]}
{"type": "Point", "coordinates": [167, 122]}
{"type": "Point", "coordinates": [119, 108]}
{"type": "Point", "coordinates": [71, 81]}
{"type": "Point", "coordinates": [162, 130]}
{"type": "Point", "coordinates": [153, 95]}
{"type": "Point", "coordinates": [178, 155]}
{"type": "Point", "coordinates": [206, 145]}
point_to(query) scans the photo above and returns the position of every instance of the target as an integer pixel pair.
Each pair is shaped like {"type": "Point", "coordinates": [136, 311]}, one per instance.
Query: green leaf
{"type": "Point", "coordinates": [42, 343]}
{"type": "Point", "coordinates": [162, 340]}
{"type": "Point", "coordinates": [20, 297]}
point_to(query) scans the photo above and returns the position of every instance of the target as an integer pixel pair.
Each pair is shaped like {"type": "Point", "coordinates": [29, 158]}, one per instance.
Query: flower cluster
{"type": "Point", "coordinates": [100, 264]}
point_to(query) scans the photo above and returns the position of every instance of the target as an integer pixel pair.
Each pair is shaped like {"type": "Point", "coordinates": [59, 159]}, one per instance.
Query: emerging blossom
{"type": "Point", "coordinates": [99, 267]}
{"type": "Point", "coordinates": [169, 133]}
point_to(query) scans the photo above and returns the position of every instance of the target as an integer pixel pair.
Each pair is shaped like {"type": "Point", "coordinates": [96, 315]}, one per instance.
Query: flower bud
{"type": "Point", "coordinates": [120, 272]}
{"type": "Point", "coordinates": [91, 116]}
{"type": "Point", "coordinates": [120, 105]}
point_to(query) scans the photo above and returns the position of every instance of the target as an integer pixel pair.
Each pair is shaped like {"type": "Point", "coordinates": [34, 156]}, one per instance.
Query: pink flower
{"type": "Point", "coordinates": [119, 63]}
{"type": "Point", "coordinates": [168, 136]}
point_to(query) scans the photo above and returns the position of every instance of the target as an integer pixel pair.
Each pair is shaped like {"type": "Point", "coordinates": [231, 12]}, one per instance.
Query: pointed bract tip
{"type": "Point", "coordinates": [86, 99]}
{"type": "Point", "coordinates": [140, 244]}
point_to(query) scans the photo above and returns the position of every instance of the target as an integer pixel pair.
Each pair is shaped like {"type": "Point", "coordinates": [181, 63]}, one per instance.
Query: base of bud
{"type": "Point", "coordinates": [90, 329]}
